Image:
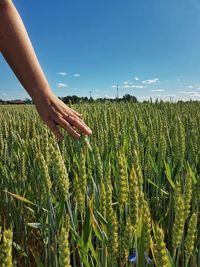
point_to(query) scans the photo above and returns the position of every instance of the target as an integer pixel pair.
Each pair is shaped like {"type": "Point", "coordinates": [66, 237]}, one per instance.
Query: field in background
{"type": "Point", "coordinates": [128, 196]}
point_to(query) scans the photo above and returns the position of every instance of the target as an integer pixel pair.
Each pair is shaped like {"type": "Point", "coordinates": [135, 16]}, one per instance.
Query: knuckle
{"type": "Point", "coordinates": [56, 116]}
{"type": "Point", "coordinates": [73, 119]}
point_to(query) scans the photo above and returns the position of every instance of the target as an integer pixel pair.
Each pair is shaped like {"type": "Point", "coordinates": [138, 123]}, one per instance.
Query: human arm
{"type": "Point", "coordinates": [17, 49]}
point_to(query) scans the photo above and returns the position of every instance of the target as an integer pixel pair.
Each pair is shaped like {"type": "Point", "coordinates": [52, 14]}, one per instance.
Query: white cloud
{"type": "Point", "coordinates": [114, 86]}
{"type": "Point", "coordinates": [62, 73]}
{"type": "Point", "coordinates": [190, 86]}
{"type": "Point", "coordinates": [158, 90]}
{"type": "Point", "coordinates": [157, 95]}
{"type": "Point", "coordinates": [131, 86]}
{"type": "Point", "coordinates": [62, 85]}
{"type": "Point", "coordinates": [126, 82]}
{"type": "Point", "coordinates": [76, 75]}
{"type": "Point", "coordinates": [127, 86]}
{"type": "Point", "coordinates": [196, 94]}
{"type": "Point", "coordinates": [170, 95]}
{"type": "Point", "coordinates": [188, 92]}
{"type": "Point", "coordinates": [4, 96]}
{"type": "Point", "coordinates": [144, 97]}
{"type": "Point", "coordinates": [181, 92]}
{"type": "Point", "coordinates": [136, 79]}
{"type": "Point", "coordinates": [139, 86]}
{"type": "Point", "coordinates": [153, 81]}
{"type": "Point", "coordinates": [197, 86]}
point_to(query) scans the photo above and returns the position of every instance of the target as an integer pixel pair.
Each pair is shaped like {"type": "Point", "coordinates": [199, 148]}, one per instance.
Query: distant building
{"type": "Point", "coordinates": [17, 102]}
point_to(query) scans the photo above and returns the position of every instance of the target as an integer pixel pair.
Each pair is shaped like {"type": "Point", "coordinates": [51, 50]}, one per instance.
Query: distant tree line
{"type": "Point", "coordinates": [74, 99]}
{"type": "Point", "coordinates": [16, 101]}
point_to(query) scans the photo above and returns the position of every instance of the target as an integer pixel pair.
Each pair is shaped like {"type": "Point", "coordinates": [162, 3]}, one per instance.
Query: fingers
{"type": "Point", "coordinates": [78, 123]}
{"type": "Point", "coordinates": [66, 125]}
{"type": "Point", "coordinates": [69, 120]}
{"type": "Point", "coordinates": [68, 110]}
{"type": "Point", "coordinates": [52, 126]}
{"type": "Point", "coordinates": [76, 113]}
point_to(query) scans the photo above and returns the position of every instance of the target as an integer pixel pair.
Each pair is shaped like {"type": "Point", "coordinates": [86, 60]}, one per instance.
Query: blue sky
{"type": "Point", "coordinates": [151, 48]}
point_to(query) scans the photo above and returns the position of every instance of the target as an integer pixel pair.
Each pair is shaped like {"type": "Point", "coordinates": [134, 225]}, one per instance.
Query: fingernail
{"type": "Point", "coordinates": [90, 131]}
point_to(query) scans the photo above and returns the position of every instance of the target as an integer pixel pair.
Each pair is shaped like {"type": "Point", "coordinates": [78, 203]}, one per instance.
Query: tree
{"type": "Point", "coordinates": [130, 98]}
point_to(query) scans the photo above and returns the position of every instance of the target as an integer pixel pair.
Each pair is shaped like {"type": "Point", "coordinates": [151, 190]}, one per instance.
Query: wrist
{"type": "Point", "coordinates": [39, 95]}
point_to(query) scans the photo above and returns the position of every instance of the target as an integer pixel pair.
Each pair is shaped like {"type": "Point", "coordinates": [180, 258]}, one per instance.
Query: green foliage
{"type": "Point", "coordinates": [132, 186]}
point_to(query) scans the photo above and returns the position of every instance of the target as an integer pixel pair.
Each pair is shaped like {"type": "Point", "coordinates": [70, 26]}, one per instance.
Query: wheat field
{"type": "Point", "coordinates": [127, 196]}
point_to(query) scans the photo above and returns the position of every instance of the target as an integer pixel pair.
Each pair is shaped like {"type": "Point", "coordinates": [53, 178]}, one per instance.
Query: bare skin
{"type": "Point", "coordinates": [17, 49]}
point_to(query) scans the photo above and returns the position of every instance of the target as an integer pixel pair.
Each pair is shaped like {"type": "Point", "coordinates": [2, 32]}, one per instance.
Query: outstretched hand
{"type": "Point", "coordinates": [17, 49]}
{"type": "Point", "coordinates": [55, 113]}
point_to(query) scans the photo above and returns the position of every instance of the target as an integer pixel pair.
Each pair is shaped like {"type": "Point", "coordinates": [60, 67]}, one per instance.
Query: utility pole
{"type": "Point", "coordinates": [90, 94]}
{"type": "Point", "coordinates": [117, 91]}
